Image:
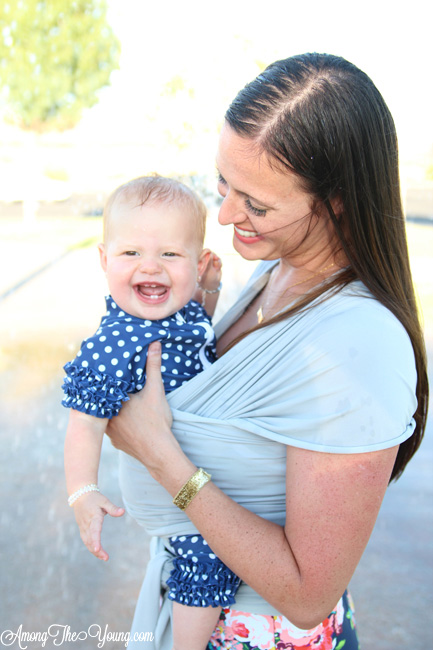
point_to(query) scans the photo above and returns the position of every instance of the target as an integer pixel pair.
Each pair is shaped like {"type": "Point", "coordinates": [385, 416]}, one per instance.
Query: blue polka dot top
{"type": "Point", "coordinates": [111, 363]}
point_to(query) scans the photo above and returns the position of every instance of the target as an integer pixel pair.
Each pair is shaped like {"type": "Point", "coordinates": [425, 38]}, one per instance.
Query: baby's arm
{"type": "Point", "coordinates": [82, 453]}
{"type": "Point", "coordinates": [210, 280]}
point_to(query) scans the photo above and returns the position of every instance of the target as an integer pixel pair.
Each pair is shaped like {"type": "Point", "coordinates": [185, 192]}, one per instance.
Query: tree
{"type": "Point", "coordinates": [55, 55]}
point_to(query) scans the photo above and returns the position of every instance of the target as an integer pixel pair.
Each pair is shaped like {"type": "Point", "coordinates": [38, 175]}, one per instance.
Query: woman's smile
{"type": "Point", "coordinates": [247, 236]}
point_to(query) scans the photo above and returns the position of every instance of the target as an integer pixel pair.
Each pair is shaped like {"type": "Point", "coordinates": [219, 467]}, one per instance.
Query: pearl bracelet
{"type": "Point", "coordinates": [217, 290]}
{"type": "Point", "coordinates": [191, 488]}
{"type": "Point", "coordinates": [92, 487]}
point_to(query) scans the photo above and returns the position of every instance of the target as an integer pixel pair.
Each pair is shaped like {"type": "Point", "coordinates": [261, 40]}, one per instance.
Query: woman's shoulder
{"type": "Point", "coordinates": [350, 375]}
{"type": "Point", "coordinates": [354, 319]}
{"type": "Point", "coordinates": [356, 306]}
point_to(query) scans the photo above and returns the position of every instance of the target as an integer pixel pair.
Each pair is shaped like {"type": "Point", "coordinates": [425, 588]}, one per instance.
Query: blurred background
{"type": "Point", "coordinates": [93, 93]}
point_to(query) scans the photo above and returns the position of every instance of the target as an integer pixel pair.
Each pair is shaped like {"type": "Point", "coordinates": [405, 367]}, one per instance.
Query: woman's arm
{"type": "Point", "coordinates": [332, 504]}
{"type": "Point", "coordinates": [303, 568]}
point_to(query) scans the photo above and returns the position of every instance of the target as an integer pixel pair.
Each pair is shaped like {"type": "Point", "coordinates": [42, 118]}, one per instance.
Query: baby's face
{"type": "Point", "coordinates": [152, 258]}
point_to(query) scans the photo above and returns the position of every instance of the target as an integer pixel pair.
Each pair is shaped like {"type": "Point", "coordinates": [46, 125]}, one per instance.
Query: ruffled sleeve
{"type": "Point", "coordinates": [109, 365]}
{"type": "Point", "coordinates": [93, 392]}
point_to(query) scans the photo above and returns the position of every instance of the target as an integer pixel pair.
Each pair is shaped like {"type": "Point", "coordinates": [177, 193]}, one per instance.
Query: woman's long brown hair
{"type": "Point", "coordinates": [323, 119]}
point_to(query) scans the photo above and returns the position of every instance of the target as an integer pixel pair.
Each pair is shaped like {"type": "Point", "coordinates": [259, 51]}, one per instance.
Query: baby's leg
{"type": "Point", "coordinates": [193, 626]}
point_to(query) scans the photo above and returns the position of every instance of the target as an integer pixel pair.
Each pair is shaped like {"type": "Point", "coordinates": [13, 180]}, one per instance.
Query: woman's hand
{"type": "Point", "coordinates": [143, 427]}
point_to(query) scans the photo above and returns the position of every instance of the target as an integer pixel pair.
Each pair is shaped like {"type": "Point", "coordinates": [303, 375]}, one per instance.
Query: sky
{"type": "Point", "coordinates": [216, 47]}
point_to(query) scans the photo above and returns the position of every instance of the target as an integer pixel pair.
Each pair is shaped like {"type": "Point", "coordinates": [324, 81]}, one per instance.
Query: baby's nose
{"type": "Point", "coordinates": [150, 265]}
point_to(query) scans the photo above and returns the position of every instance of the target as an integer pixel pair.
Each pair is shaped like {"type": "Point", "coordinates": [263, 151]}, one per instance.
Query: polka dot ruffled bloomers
{"type": "Point", "coordinates": [111, 363]}
{"type": "Point", "coordinates": [199, 578]}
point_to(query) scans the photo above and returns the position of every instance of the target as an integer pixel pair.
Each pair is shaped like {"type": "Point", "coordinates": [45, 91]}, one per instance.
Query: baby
{"type": "Point", "coordinates": [155, 265]}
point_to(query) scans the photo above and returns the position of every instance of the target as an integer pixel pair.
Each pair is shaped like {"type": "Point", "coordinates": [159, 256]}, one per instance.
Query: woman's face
{"type": "Point", "coordinates": [271, 215]}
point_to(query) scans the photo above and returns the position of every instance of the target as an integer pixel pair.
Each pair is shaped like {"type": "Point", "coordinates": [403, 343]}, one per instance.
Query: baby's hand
{"type": "Point", "coordinates": [207, 292]}
{"type": "Point", "coordinates": [90, 510]}
{"type": "Point", "coordinates": [211, 276]}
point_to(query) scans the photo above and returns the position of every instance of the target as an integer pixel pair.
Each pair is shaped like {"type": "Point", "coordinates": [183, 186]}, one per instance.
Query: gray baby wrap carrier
{"type": "Point", "coordinates": [304, 382]}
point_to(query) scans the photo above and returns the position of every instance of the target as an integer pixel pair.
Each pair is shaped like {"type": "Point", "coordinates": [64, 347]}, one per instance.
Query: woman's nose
{"type": "Point", "coordinates": [231, 211]}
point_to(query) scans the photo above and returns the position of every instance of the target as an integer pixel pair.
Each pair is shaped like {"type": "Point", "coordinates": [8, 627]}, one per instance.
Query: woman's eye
{"type": "Point", "coordinates": [221, 186]}
{"type": "Point", "coordinates": [256, 211]}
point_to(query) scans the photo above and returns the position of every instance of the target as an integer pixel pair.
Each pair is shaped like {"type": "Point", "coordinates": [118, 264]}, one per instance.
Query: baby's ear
{"type": "Point", "coordinates": [102, 257]}
{"type": "Point", "coordinates": [203, 260]}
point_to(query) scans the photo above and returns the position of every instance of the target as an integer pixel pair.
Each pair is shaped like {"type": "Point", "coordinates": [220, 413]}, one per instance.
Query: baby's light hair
{"type": "Point", "coordinates": [157, 189]}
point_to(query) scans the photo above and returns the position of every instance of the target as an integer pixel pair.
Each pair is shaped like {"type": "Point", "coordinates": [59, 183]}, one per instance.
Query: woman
{"type": "Point", "coordinates": [320, 394]}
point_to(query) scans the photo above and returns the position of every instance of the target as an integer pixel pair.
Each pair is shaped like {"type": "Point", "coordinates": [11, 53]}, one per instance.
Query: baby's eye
{"type": "Point", "coordinates": [130, 253]}
{"type": "Point", "coordinates": [170, 254]}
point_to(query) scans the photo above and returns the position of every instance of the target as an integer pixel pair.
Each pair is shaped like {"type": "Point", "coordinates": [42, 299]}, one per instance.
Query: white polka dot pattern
{"type": "Point", "coordinates": [110, 364]}
{"type": "Point", "coordinates": [198, 577]}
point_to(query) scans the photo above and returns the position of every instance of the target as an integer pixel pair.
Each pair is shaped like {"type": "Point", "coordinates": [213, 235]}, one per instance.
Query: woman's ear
{"type": "Point", "coordinates": [102, 257]}
{"type": "Point", "coordinates": [337, 205]}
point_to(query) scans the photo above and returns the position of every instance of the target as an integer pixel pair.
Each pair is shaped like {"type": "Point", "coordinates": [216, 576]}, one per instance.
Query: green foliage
{"type": "Point", "coordinates": [55, 55]}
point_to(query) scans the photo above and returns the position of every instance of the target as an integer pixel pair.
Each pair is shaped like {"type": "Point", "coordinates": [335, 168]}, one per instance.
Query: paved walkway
{"type": "Point", "coordinates": [47, 576]}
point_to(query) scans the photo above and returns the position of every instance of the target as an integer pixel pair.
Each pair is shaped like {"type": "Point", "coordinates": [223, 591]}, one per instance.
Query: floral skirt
{"type": "Point", "coordinates": [241, 631]}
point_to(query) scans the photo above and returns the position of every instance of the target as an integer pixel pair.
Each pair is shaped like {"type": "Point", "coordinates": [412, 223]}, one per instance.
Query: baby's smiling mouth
{"type": "Point", "coordinates": [151, 291]}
